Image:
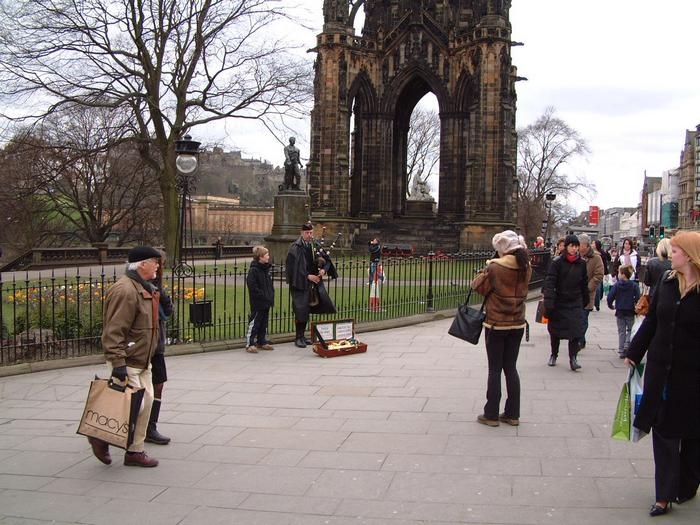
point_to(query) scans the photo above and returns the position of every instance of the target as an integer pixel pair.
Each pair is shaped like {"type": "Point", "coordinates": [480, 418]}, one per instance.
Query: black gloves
{"type": "Point", "coordinates": [119, 372]}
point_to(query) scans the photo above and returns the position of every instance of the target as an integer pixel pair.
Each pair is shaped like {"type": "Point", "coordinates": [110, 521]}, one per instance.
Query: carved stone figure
{"type": "Point", "coordinates": [292, 166]}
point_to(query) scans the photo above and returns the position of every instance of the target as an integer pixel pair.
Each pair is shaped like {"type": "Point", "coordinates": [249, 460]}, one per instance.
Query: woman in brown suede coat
{"type": "Point", "coordinates": [504, 282]}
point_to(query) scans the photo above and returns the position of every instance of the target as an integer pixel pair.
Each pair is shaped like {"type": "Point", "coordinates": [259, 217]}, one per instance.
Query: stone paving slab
{"type": "Point", "coordinates": [383, 438]}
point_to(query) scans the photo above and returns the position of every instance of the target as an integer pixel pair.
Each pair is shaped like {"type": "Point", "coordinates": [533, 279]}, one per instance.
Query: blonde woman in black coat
{"type": "Point", "coordinates": [670, 405]}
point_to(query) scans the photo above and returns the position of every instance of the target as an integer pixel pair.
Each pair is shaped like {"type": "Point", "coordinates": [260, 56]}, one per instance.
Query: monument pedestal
{"type": "Point", "coordinates": [291, 211]}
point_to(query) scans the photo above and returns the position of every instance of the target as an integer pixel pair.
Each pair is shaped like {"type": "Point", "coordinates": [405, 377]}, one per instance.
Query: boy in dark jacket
{"type": "Point", "coordinates": [262, 297]}
{"type": "Point", "coordinates": [622, 297]}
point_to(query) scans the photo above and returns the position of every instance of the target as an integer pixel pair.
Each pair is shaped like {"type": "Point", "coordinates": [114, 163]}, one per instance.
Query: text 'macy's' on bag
{"type": "Point", "coordinates": [110, 412]}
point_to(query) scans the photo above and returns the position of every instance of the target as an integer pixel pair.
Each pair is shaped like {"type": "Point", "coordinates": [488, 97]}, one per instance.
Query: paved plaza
{"type": "Point", "coordinates": [386, 437]}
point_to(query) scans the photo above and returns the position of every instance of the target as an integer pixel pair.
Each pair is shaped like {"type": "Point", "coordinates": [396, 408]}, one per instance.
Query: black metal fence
{"type": "Point", "coordinates": [56, 316]}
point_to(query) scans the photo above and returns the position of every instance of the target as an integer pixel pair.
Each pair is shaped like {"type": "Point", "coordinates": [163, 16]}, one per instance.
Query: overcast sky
{"type": "Point", "coordinates": [624, 73]}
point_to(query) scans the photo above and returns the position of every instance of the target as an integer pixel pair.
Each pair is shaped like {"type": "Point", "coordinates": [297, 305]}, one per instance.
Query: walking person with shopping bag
{"type": "Point", "coordinates": [129, 340]}
{"type": "Point", "coordinates": [669, 336]}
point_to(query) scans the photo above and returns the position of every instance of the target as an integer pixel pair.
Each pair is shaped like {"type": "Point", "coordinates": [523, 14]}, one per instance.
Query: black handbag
{"type": "Point", "coordinates": [468, 322]}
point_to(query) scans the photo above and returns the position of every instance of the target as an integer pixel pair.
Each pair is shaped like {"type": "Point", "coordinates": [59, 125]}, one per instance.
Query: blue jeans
{"type": "Point", "coordinates": [598, 296]}
{"type": "Point", "coordinates": [624, 330]}
{"type": "Point", "coordinates": [502, 349]}
{"type": "Point", "coordinates": [586, 313]}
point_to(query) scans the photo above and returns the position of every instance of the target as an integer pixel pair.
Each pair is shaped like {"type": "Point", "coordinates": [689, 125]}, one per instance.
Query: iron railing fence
{"type": "Point", "coordinates": [54, 316]}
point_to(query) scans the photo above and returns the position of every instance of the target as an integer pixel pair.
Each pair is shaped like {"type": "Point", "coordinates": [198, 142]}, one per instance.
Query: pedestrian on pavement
{"type": "Point", "coordinates": [605, 256]}
{"type": "Point", "coordinates": [262, 297]}
{"type": "Point", "coordinates": [158, 368]}
{"type": "Point", "coordinates": [561, 246]}
{"type": "Point", "coordinates": [301, 270]}
{"type": "Point", "coordinates": [375, 256]}
{"type": "Point", "coordinates": [628, 255]}
{"type": "Point", "coordinates": [594, 272]}
{"type": "Point", "coordinates": [504, 282]}
{"type": "Point", "coordinates": [565, 293]}
{"type": "Point", "coordinates": [622, 297]}
{"type": "Point", "coordinates": [670, 406]}
{"type": "Point", "coordinates": [129, 339]}
{"type": "Point", "coordinates": [656, 266]}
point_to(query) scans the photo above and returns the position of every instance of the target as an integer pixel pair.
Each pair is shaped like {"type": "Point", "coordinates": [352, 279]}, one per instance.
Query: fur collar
{"type": "Point", "coordinates": [507, 261]}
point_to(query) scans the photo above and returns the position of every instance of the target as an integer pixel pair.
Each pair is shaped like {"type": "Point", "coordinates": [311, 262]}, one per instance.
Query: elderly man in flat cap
{"type": "Point", "coordinates": [129, 338]}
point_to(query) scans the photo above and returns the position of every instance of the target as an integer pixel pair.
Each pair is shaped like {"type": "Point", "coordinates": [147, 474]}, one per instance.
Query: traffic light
{"type": "Point", "coordinates": [661, 232]}
{"type": "Point", "coordinates": [652, 232]}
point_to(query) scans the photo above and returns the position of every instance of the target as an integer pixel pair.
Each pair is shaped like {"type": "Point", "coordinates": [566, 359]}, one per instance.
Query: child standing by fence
{"type": "Point", "coordinates": [262, 297]}
{"type": "Point", "coordinates": [621, 298]}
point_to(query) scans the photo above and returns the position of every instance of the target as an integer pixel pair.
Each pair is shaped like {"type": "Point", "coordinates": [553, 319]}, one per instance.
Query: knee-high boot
{"type": "Point", "coordinates": [152, 434]}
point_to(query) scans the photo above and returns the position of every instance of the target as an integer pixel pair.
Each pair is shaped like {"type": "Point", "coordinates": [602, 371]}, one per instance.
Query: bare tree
{"type": "Point", "coordinates": [545, 149]}
{"type": "Point", "coordinates": [26, 218]}
{"type": "Point", "coordinates": [174, 64]}
{"type": "Point", "coordinates": [87, 173]}
{"type": "Point", "coordinates": [423, 146]}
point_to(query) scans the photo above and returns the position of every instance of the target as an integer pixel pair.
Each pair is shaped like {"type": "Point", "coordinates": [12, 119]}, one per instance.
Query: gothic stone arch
{"type": "Point", "coordinates": [457, 49]}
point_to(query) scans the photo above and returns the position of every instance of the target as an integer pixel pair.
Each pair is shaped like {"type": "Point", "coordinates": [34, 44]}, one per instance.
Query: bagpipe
{"type": "Point", "coordinates": [323, 253]}
{"type": "Point", "coordinates": [319, 300]}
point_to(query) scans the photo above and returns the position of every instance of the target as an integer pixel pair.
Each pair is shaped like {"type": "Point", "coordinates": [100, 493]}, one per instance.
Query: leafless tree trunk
{"type": "Point", "coordinates": [174, 64]}
{"type": "Point", "coordinates": [545, 149]}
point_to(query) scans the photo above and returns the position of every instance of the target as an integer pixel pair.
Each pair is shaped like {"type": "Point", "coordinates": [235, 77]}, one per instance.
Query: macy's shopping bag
{"type": "Point", "coordinates": [110, 412]}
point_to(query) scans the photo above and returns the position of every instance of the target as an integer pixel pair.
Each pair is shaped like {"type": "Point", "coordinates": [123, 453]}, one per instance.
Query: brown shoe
{"type": "Point", "coordinates": [139, 459]}
{"type": "Point", "coordinates": [252, 350]}
{"type": "Point", "coordinates": [101, 450]}
{"type": "Point", "coordinates": [512, 421]}
{"type": "Point", "coordinates": [488, 422]}
{"type": "Point", "coordinates": [266, 346]}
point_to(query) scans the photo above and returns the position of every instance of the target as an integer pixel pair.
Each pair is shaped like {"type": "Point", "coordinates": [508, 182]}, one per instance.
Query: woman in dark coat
{"type": "Point", "coordinates": [565, 294]}
{"type": "Point", "coordinates": [670, 405]}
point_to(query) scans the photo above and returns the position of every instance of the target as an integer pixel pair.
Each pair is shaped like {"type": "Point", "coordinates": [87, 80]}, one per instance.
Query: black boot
{"type": "Point", "coordinates": [552, 360]}
{"type": "Point", "coordinates": [299, 340]}
{"type": "Point", "coordinates": [152, 434]}
{"type": "Point", "coordinates": [573, 363]}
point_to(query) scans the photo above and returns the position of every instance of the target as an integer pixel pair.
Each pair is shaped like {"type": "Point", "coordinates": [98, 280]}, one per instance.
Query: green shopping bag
{"type": "Point", "coordinates": [622, 423]}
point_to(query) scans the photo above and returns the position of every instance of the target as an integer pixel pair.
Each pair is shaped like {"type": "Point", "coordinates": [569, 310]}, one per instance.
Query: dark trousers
{"type": "Point", "coordinates": [676, 466]}
{"type": "Point", "coordinates": [502, 349]}
{"type": "Point", "coordinates": [573, 346]}
{"type": "Point", "coordinates": [257, 327]}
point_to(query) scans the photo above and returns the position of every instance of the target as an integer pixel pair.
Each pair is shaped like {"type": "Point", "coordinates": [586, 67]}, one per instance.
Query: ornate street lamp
{"type": "Point", "coordinates": [186, 163]}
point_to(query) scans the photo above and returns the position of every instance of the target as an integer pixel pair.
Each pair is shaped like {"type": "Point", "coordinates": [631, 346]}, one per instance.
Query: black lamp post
{"type": "Point", "coordinates": [550, 200]}
{"type": "Point", "coordinates": [186, 163]}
